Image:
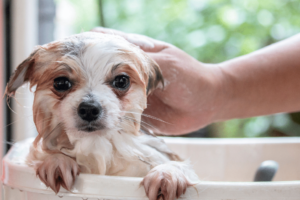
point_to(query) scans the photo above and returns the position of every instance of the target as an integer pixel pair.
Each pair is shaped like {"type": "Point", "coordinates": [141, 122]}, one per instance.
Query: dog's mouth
{"type": "Point", "coordinates": [90, 127]}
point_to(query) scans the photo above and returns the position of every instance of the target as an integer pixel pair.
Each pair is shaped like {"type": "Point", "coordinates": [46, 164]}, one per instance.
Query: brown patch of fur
{"type": "Point", "coordinates": [151, 72]}
{"type": "Point", "coordinates": [63, 142]}
{"type": "Point", "coordinates": [60, 70]}
{"type": "Point", "coordinates": [26, 68]}
{"type": "Point", "coordinates": [42, 122]}
{"type": "Point", "coordinates": [53, 137]}
{"type": "Point", "coordinates": [174, 157]}
{"type": "Point", "coordinates": [134, 79]}
{"type": "Point", "coordinates": [49, 142]}
{"type": "Point", "coordinates": [34, 68]}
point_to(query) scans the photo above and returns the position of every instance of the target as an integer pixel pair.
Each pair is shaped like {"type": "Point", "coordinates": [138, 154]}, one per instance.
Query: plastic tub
{"type": "Point", "coordinates": [225, 166]}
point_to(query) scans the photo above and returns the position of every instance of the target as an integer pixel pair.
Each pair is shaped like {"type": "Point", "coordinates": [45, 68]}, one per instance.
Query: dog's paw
{"type": "Point", "coordinates": [165, 182]}
{"type": "Point", "coordinates": [58, 170]}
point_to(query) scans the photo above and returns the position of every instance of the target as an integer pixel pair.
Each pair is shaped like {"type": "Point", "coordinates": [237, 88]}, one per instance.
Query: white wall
{"type": "Point", "coordinates": [24, 38]}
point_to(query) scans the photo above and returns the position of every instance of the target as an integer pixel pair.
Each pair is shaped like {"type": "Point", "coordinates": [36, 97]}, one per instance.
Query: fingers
{"type": "Point", "coordinates": [145, 43]}
{"type": "Point", "coordinates": [109, 31]}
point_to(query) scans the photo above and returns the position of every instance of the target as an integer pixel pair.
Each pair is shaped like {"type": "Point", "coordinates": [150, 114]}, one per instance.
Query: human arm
{"type": "Point", "coordinates": [264, 82]}
{"type": "Point", "coordinates": [197, 94]}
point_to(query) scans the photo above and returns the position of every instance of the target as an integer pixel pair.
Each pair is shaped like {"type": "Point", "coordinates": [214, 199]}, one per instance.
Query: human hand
{"type": "Point", "coordinates": [189, 98]}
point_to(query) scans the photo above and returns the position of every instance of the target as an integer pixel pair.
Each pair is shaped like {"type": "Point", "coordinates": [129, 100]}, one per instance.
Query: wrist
{"type": "Point", "coordinates": [222, 87]}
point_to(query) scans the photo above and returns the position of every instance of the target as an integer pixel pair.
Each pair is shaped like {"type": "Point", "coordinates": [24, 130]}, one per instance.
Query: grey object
{"type": "Point", "coordinates": [47, 12]}
{"type": "Point", "coordinates": [266, 171]}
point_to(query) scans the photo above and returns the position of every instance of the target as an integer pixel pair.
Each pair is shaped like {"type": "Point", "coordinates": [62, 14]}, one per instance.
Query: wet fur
{"type": "Point", "coordinates": [61, 151]}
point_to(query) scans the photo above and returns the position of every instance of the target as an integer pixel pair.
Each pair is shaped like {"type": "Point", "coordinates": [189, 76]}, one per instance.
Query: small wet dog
{"type": "Point", "coordinates": [91, 90]}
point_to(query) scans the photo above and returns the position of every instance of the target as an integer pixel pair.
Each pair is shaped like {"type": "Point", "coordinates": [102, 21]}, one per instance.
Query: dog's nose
{"type": "Point", "coordinates": [89, 111]}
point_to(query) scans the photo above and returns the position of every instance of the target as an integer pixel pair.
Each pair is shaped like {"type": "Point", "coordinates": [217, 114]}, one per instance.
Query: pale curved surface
{"type": "Point", "coordinates": [22, 184]}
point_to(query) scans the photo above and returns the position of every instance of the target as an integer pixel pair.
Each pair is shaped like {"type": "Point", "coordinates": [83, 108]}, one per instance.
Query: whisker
{"type": "Point", "coordinates": [149, 116]}
{"type": "Point", "coordinates": [18, 103]}
{"type": "Point", "coordinates": [22, 119]}
{"type": "Point", "coordinates": [7, 103]}
{"type": "Point", "coordinates": [134, 120]}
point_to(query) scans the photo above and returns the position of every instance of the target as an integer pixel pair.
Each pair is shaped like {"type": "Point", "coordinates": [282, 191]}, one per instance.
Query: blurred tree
{"type": "Point", "coordinates": [211, 31]}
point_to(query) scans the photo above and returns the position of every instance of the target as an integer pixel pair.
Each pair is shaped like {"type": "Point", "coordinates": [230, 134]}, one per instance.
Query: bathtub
{"type": "Point", "coordinates": [226, 168]}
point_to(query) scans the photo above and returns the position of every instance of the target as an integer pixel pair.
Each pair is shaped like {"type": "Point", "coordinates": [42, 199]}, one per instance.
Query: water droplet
{"type": "Point", "coordinates": [60, 196]}
{"type": "Point", "coordinates": [84, 198]}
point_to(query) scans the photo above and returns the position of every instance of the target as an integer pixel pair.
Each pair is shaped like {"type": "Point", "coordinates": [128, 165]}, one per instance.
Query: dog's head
{"type": "Point", "coordinates": [89, 83]}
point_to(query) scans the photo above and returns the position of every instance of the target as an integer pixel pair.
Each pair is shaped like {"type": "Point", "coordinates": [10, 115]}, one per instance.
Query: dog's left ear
{"type": "Point", "coordinates": [22, 74]}
{"type": "Point", "coordinates": [155, 76]}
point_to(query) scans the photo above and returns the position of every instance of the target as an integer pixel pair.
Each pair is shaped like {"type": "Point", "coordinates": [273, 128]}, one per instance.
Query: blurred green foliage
{"type": "Point", "coordinates": [211, 31]}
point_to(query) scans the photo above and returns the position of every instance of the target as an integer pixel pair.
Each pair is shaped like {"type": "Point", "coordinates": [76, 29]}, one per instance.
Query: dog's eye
{"type": "Point", "coordinates": [121, 82]}
{"type": "Point", "coordinates": [62, 84]}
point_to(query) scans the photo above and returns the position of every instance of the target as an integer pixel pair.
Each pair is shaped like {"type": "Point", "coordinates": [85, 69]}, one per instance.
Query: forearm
{"type": "Point", "coordinates": [264, 82]}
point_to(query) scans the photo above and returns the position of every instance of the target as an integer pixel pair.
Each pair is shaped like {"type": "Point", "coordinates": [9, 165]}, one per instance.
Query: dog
{"type": "Point", "coordinates": [90, 93]}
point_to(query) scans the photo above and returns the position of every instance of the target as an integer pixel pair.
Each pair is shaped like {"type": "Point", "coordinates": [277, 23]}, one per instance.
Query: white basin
{"type": "Point", "coordinates": [226, 168]}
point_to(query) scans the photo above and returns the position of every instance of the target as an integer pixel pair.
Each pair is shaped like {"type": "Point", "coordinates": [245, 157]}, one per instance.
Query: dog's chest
{"type": "Point", "coordinates": [128, 167]}
{"type": "Point", "coordinates": [109, 157]}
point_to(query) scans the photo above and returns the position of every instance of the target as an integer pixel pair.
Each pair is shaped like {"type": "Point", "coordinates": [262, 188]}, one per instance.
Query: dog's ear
{"type": "Point", "coordinates": [22, 74]}
{"type": "Point", "coordinates": [155, 76]}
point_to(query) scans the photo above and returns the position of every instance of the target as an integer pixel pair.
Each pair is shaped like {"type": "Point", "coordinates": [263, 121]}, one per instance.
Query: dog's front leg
{"type": "Point", "coordinates": [168, 181]}
{"type": "Point", "coordinates": [58, 170]}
